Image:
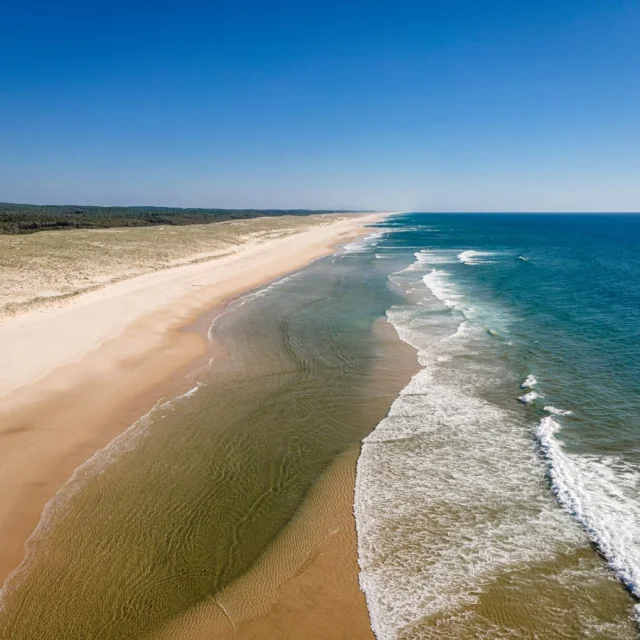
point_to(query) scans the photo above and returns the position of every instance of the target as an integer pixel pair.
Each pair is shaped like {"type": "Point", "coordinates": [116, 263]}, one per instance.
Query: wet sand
{"type": "Point", "coordinates": [71, 379]}
{"type": "Point", "coordinates": [304, 586]}
{"type": "Point", "coordinates": [306, 583]}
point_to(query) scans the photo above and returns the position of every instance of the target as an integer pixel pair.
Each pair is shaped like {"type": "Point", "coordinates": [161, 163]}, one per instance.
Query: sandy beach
{"type": "Point", "coordinates": [74, 377]}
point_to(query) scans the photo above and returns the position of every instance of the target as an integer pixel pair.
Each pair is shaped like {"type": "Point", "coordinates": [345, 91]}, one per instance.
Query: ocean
{"type": "Point", "coordinates": [497, 493]}
{"type": "Point", "coordinates": [500, 498]}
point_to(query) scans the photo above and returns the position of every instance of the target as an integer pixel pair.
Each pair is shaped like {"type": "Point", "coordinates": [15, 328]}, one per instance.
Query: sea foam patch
{"type": "Point", "coordinates": [601, 493]}
{"type": "Point", "coordinates": [529, 398]}
{"type": "Point", "coordinates": [363, 244]}
{"type": "Point", "coordinates": [476, 257]}
{"type": "Point", "coordinates": [557, 412]}
{"type": "Point", "coordinates": [448, 482]}
{"type": "Point", "coordinates": [441, 287]}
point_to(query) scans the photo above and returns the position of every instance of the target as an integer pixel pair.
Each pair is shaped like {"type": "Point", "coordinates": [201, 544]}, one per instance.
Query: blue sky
{"type": "Point", "coordinates": [435, 106]}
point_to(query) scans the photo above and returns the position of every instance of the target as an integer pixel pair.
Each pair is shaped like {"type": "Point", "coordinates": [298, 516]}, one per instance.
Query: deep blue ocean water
{"type": "Point", "coordinates": [517, 447]}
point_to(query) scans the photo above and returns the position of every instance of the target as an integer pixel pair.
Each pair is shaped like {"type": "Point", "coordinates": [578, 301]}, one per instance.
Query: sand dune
{"type": "Point", "coordinates": [50, 268]}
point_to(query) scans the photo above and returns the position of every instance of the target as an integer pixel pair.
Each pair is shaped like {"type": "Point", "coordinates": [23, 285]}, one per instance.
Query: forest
{"type": "Point", "coordinates": [29, 218]}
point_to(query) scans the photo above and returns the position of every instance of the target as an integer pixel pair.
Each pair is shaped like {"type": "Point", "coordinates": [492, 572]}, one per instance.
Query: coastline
{"type": "Point", "coordinates": [134, 342]}
{"type": "Point", "coordinates": [306, 583]}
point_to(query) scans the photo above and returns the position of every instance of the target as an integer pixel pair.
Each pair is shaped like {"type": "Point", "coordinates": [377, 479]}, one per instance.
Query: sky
{"type": "Point", "coordinates": [452, 105]}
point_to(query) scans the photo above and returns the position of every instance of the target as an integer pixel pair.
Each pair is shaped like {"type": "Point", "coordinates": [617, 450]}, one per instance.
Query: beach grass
{"type": "Point", "coordinates": [53, 267]}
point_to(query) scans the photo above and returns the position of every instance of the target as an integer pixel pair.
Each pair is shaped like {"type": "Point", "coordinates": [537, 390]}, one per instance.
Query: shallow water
{"type": "Point", "coordinates": [186, 501]}
{"type": "Point", "coordinates": [478, 513]}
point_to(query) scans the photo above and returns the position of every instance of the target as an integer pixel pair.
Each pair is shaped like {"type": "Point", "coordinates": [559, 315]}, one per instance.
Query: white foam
{"type": "Point", "coordinates": [355, 247]}
{"type": "Point", "coordinates": [447, 485]}
{"type": "Point", "coordinates": [449, 491]}
{"type": "Point", "coordinates": [410, 229]}
{"type": "Point", "coordinates": [529, 382]}
{"type": "Point", "coordinates": [557, 412]}
{"type": "Point", "coordinates": [362, 244]}
{"type": "Point", "coordinates": [601, 492]}
{"type": "Point", "coordinates": [529, 398]}
{"type": "Point", "coordinates": [442, 288]}
{"type": "Point", "coordinates": [428, 257]}
{"type": "Point", "coordinates": [475, 257]}
{"type": "Point", "coordinates": [428, 267]}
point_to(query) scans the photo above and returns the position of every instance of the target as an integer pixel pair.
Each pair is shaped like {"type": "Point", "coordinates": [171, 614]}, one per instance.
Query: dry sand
{"type": "Point", "coordinates": [73, 377]}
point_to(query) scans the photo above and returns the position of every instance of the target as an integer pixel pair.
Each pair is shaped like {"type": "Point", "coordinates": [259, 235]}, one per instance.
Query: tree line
{"type": "Point", "coordinates": [30, 218]}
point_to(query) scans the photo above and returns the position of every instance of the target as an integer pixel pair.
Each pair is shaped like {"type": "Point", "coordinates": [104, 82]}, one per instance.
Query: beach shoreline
{"type": "Point", "coordinates": [305, 584]}
{"type": "Point", "coordinates": [133, 343]}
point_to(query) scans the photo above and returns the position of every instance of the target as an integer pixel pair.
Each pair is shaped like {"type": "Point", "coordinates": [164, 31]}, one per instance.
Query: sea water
{"type": "Point", "coordinates": [500, 498]}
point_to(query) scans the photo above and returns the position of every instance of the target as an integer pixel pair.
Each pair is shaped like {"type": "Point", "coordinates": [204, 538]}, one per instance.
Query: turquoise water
{"type": "Point", "coordinates": [514, 455]}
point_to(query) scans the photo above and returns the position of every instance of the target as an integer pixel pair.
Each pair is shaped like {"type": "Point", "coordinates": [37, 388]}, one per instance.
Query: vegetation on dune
{"type": "Point", "coordinates": [29, 218]}
{"type": "Point", "coordinates": [41, 269]}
